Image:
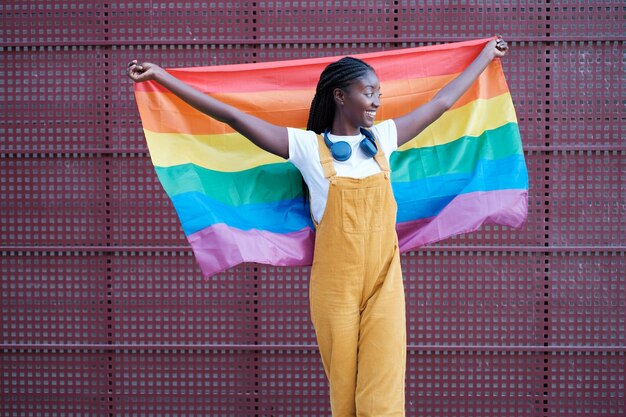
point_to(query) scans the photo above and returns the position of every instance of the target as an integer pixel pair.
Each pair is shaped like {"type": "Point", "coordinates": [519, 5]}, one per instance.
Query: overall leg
{"type": "Point", "coordinates": [382, 348]}
{"type": "Point", "coordinates": [334, 300]}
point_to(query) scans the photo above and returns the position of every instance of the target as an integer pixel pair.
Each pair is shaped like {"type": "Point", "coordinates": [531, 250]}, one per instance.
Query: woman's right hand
{"type": "Point", "coordinates": [142, 72]}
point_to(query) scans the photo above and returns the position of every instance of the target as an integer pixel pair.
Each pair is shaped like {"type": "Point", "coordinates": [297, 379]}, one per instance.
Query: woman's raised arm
{"type": "Point", "coordinates": [267, 136]}
{"type": "Point", "coordinates": [411, 124]}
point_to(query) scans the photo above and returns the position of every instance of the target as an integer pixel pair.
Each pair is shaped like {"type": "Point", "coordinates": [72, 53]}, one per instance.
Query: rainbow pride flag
{"type": "Point", "coordinates": [238, 203]}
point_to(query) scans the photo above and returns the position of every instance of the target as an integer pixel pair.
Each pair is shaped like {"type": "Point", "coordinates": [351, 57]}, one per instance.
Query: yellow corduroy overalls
{"type": "Point", "coordinates": [357, 294]}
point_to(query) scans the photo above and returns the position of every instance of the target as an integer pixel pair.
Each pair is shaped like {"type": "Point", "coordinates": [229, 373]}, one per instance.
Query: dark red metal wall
{"type": "Point", "coordinates": [105, 313]}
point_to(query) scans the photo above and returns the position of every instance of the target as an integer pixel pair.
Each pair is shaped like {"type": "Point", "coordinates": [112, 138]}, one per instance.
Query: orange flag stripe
{"type": "Point", "coordinates": [163, 111]}
{"type": "Point", "coordinates": [420, 62]}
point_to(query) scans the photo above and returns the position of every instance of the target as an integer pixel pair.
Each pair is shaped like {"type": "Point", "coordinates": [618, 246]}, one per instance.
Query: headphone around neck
{"type": "Point", "coordinates": [342, 150]}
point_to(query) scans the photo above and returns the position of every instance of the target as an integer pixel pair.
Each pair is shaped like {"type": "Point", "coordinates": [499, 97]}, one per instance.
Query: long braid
{"type": "Point", "coordinates": [338, 74]}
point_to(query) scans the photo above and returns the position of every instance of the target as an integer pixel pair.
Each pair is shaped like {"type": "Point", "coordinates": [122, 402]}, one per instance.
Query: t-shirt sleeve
{"type": "Point", "coordinates": [301, 144]}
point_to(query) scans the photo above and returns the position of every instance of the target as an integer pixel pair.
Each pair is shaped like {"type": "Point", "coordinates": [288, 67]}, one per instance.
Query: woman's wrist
{"type": "Point", "coordinates": [160, 75]}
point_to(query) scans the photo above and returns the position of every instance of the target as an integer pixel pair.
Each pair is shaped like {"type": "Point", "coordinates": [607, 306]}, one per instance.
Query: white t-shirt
{"type": "Point", "coordinates": [304, 154]}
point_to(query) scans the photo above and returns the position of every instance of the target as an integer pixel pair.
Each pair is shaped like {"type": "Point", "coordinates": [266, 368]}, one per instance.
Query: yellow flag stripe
{"type": "Point", "coordinates": [231, 152]}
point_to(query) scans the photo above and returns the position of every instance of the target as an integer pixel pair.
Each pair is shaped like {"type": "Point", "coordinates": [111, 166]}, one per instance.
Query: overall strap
{"type": "Point", "coordinates": [380, 157]}
{"type": "Point", "coordinates": [326, 159]}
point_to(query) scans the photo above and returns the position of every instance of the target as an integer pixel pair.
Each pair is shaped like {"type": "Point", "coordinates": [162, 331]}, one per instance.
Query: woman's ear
{"type": "Point", "coordinates": [339, 96]}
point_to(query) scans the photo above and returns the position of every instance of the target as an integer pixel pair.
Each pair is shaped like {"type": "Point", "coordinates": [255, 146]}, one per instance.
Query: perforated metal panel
{"type": "Point", "coordinates": [587, 93]}
{"type": "Point", "coordinates": [587, 198]}
{"type": "Point", "coordinates": [588, 300]}
{"type": "Point", "coordinates": [54, 298]}
{"type": "Point", "coordinates": [49, 105]}
{"type": "Point", "coordinates": [104, 311]}
{"type": "Point", "coordinates": [157, 300]}
{"type": "Point", "coordinates": [291, 383]}
{"type": "Point", "coordinates": [485, 298]}
{"type": "Point", "coordinates": [41, 22]}
{"type": "Point", "coordinates": [449, 19]}
{"type": "Point", "coordinates": [47, 381]}
{"type": "Point", "coordinates": [221, 21]}
{"type": "Point", "coordinates": [184, 382]}
{"type": "Point", "coordinates": [579, 19]}
{"type": "Point", "coordinates": [475, 383]}
{"type": "Point", "coordinates": [54, 200]}
{"type": "Point", "coordinates": [585, 383]}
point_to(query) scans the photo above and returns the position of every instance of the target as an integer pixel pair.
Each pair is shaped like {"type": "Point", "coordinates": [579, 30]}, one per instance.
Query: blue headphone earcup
{"type": "Point", "coordinates": [368, 146]}
{"type": "Point", "coordinates": [341, 151]}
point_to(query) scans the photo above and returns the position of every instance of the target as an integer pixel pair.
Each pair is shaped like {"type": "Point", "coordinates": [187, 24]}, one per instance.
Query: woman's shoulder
{"type": "Point", "coordinates": [301, 133]}
{"type": "Point", "coordinates": [301, 143]}
{"type": "Point", "coordinates": [302, 137]}
{"type": "Point", "coordinates": [386, 127]}
{"type": "Point", "coordinates": [386, 132]}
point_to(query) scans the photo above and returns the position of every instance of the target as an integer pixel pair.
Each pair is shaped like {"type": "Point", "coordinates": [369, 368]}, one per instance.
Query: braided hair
{"type": "Point", "coordinates": [339, 74]}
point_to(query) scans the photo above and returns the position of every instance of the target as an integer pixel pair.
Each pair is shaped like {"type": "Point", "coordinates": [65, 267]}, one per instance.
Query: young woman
{"type": "Point", "coordinates": [356, 288]}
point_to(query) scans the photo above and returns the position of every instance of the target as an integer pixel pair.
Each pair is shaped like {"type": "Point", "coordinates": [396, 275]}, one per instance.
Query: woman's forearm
{"type": "Point", "coordinates": [414, 122]}
{"type": "Point", "coordinates": [196, 98]}
{"type": "Point", "coordinates": [265, 135]}
{"type": "Point", "coordinates": [453, 91]}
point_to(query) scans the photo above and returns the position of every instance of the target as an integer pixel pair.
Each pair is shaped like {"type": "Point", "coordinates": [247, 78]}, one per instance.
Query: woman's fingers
{"type": "Point", "coordinates": [134, 70]}
{"type": "Point", "coordinates": [501, 44]}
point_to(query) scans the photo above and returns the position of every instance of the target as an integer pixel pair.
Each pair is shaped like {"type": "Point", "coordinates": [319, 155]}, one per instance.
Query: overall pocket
{"type": "Point", "coordinates": [361, 209]}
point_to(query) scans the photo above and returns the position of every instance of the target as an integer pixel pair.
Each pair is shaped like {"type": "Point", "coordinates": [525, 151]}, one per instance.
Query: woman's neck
{"type": "Point", "coordinates": [344, 129]}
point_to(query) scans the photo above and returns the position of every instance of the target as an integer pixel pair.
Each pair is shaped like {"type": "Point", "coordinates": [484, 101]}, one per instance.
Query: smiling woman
{"type": "Point", "coordinates": [345, 87]}
{"type": "Point", "coordinates": [359, 102]}
{"type": "Point", "coordinates": [344, 155]}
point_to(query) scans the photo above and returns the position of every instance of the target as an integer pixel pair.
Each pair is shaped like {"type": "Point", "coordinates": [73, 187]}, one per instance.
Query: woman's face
{"type": "Point", "coordinates": [359, 101]}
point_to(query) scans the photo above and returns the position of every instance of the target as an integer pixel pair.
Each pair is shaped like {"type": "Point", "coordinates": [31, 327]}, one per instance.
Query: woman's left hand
{"type": "Point", "coordinates": [499, 46]}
